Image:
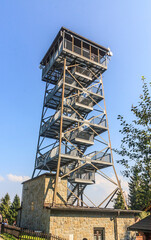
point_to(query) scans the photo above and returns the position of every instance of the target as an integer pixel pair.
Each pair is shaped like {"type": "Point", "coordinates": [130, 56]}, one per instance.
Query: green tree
{"type": "Point", "coordinates": [135, 190]}
{"type": "Point", "coordinates": [13, 209]}
{"type": "Point", "coordinates": [145, 192]}
{"type": "Point", "coordinates": [5, 206]}
{"type": "Point", "coordinates": [136, 147]}
{"type": "Point", "coordinates": [118, 201]}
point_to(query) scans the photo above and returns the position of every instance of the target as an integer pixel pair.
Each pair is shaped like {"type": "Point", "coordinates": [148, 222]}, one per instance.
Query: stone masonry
{"type": "Point", "coordinates": [73, 223]}
{"type": "Point", "coordinates": [81, 223]}
{"type": "Point", "coordinates": [36, 194]}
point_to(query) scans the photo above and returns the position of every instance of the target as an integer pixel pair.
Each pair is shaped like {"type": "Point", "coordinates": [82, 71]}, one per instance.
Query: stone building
{"type": "Point", "coordinates": [70, 222]}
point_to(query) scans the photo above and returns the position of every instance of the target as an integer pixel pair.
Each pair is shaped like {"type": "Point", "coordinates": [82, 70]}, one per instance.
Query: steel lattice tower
{"type": "Point", "coordinates": [74, 121]}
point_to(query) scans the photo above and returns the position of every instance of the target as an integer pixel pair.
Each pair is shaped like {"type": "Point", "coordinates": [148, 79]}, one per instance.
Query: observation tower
{"type": "Point", "coordinates": [74, 139]}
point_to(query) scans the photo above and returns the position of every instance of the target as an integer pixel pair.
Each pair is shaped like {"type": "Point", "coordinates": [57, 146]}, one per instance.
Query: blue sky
{"type": "Point", "coordinates": [27, 29]}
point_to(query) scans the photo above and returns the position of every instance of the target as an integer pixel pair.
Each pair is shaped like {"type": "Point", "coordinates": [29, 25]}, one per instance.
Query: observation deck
{"type": "Point", "coordinates": [75, 48]}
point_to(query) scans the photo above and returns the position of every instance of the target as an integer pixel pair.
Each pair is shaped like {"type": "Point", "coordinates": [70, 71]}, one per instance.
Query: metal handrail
{"type": "Point", "coordinates": [84, 176]}
{"type": "Point", "coordinates": [97, 155]}
{"type": "Point", "coordinates": [86, 53]}
{"type": "Point", "coordinates": [95, 90]}
{"type": "Point", "coordinates": [81, 134]}
{"type": "Point", "coordinates": [99, 121]}
{"type": "Point", "coordinates": [83, 71]}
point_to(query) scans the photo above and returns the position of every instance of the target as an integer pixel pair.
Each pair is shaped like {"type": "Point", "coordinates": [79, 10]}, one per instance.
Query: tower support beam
{"type": "Point", "coordinates": [119, 184]}
{"type": "Point", "coordinates": [60, 136]}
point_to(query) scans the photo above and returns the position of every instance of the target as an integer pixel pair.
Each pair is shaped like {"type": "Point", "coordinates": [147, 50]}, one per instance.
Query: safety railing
{"type": "Point", "coordinates": [47, 156]}
{"type": "Point", "coordinates": [73, 152]}
{"type": "Point", "coordinates": [84, 176]}
{"type": "Point", "coordinates": [82, 71]}
{"type": "Point", "coordinates": [52, 119]}
{"type": "Point", "coordinates": [85, 52]}
{"type": "Point", "coordinates": [77, 49]}
{"type": "Point", "coordinates": [57, 88]}
{"type": "Point", "coordinates": [52, 59]}
{"type": "Point", "coordinates": [81, 99]}
{"type": "Point", "coordinates": [95, 90]}
{"type": "Point", "coordinates": [54, 90]}
{"type": "Point", "coordinates": [68, 45]}
{"type": "Point", "coordinates": [54, 152]}
{"type": "Point", "coordinates": [80, 51]}
{"type": "Point", "coordinates": [99, 121]}
{"type": "Point", "coordinates": [96, 155]}
{"type": "Point", "coordinates": [83, 135]}
{"type": "Point", "coordinates": [95, 121]}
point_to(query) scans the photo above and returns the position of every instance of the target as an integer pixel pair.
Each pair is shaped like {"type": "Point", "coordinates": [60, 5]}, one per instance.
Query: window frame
{"type": "Point", "coordinates": [99, 229]}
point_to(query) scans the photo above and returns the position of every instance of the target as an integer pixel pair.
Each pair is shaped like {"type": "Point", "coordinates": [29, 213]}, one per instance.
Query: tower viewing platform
{"type": "Point", "coordinates": [75, 48]}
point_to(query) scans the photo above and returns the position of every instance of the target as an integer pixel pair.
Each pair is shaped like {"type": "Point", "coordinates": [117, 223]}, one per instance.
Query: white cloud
{"type": "Point", "coordinates": [1, 179]}
{"type": "Point", "coordinates": [15, 178]}
{"type": "Point", "coordinates": [108, 185]}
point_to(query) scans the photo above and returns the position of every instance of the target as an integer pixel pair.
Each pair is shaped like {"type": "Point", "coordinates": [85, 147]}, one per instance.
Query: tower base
{"type": "Point", "coordinates": [70, 222]}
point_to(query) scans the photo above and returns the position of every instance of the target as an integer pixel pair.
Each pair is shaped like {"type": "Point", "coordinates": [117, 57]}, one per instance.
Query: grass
{"type": "Point", "coordinates": [23, 237]}
{"type": "Point", "coordinates": [8, 237]}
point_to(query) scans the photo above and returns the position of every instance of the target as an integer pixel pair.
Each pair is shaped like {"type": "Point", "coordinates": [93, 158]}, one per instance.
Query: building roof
{"type": "Point", "coordinates": [143, 225]}
{"type": "Point", "coordinates": [91, 209]}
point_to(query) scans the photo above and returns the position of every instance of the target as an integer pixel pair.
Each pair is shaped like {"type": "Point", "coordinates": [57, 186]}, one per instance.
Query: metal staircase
{"type": "Point", "coordinates": [78, 190]}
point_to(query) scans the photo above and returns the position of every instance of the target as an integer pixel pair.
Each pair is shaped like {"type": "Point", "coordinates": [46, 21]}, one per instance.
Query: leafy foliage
{"type": "Point", "coordinates": [118, 201]}
{"type": "Point", "coordinates": [136, 150]}
{"type": "Point", "coordinates": [5, 206]}
{"type": "Point", "coordinates": [9, 210]}
{"type": "Point", "coordinates": [135, 190]}
{"type": "Point", "coordinates": [145, 192]}
{"type": "Point", "coordinates": [136, 143]}
{"type": "Point", "coordinates": [13, 209]}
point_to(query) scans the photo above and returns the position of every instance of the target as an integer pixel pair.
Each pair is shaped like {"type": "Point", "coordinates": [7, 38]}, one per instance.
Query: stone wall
{"type": "Point", "coordinates": [36, 193]}
{"type": "Point", "coordinates": [49, 189]}
{"type": "Point", "coordinates": [123, 223]}
{"type": "Point", "coordinates": [79, 225]}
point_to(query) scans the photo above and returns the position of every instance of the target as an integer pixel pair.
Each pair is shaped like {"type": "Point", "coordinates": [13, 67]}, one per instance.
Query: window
{"type": "Point", "coordinates": [99, 234]}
